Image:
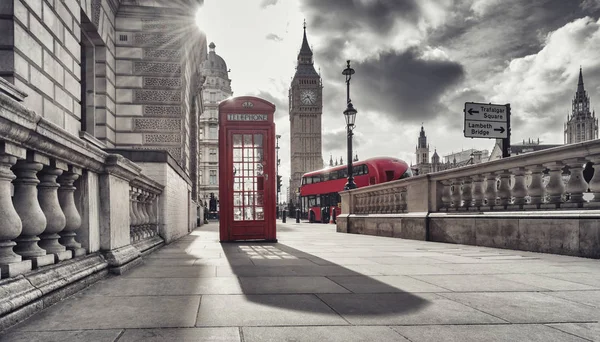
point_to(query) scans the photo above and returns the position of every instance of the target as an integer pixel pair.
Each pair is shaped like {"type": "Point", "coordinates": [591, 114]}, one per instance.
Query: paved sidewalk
{"type": "Point", "coordinates": [319, 285]}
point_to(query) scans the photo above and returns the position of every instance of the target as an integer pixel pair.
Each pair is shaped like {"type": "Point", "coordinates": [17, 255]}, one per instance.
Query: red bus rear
{"type": "Point", "coordinates": [320, 189]}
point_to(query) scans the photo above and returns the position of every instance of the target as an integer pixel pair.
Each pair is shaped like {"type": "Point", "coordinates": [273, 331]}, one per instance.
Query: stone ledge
{"type": "Point", "coordinates": [118, 258]}
{"type": "Point", "coordinates": [24, 295]}
{"type": "Point", "coordinates": [148, 246]}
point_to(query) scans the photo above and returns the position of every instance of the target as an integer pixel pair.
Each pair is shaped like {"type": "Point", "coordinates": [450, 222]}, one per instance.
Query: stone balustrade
{"type": "Point", "coordinates": [61, 198]}
{"type": "Point", "coordinates": [452, 205]}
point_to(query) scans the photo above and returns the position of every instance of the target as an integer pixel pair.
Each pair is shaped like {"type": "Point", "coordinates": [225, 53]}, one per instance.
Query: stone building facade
{"type": "Point", "coordinates": [306, 107]}
{"type": "Point", "coordinates": [582, 124]}
{"type": "Point", "coordinates": [99, 109]}
{"type": "Point", "coordinates": [217, 87]}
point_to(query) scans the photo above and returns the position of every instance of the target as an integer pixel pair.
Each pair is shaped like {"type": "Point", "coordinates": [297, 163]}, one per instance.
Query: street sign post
{"type": "Point", "coordinates": [486, 120]}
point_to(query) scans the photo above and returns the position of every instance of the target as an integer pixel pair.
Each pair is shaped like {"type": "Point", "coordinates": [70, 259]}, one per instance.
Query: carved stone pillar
{"type": "Point", "coordinates": [403, 199]}
{"type": "Point", "coordinates": [27, 206]}
{"type": "Point", "coordinates": [536, 188]}
{"type": "Point", "coordinates": [555, 187]}
{"type": "Point", "coordinates": [519, 190]}
{"type": "Point", "coordinates": [55, 218]}
{"type": "Point", "coordinates": [145, 219]}
{"type": "Point", "coordinates": [503, 192]}
{"type": "Point", "coordinates": [576, 185]}
{"type": "Point", "coordinates": [446, 194]}
{"type": "Point", "coordinates": [456, 195]}
{"type": "Point", "coordinates": [67, 203]}
{"type": "Point", "coordinates": [595, 181]}
{"type": "Point", "coordinates": [490, 190]}
{"type": "Point", "coordinates": [150, 211]}
{"type": "Point", "coordinates": [467, 192]}
{"type": "Point", "coordinates": [11, 264]}
{"type": "Point", "coordinates": [478, 195]}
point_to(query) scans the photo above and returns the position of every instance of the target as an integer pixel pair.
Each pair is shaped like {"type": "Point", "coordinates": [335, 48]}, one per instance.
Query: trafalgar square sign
{"type": "Point", "coordinates": [487, 120]}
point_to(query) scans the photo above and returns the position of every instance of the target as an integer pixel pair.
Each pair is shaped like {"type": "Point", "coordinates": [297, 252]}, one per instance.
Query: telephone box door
{"type": "Point", "coordinates": [251, 183]}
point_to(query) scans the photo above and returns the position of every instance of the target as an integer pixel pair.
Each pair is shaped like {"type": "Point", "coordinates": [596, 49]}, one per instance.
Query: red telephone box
{"type": "Point", "coordinates": [247, 169]}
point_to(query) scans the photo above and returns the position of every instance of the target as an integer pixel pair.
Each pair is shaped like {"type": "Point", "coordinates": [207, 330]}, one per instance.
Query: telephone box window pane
{"type": "Point", "coordinates": [248, 199]}
{"type": "Point", "coordinates": [259, 200]}
{"type": "Point", "coordinates": [237, 186]}
{"type": "Point", "coordinates": [260, 215]}
{"type": "Point", "coordinates": [248, 157]}
{"type": "Point", "coordinates": [258, 154]}
{"type": "Point", "coordinates": [248, 214]}
{"type": "Point", "coordinates": [237, 140]}
{"type": "Point", "coordinates": [258, 140]}
{"type": "Point", "coordinates": [237, 199]}
{"type": "Point", "coordinates": [248, 184]}
{"type": "Point", "coordinates": [247, 140]}
{"type": "Point", "coordinates": [237, 214]}
{"type": "Point", "coordinates": [237, 154]}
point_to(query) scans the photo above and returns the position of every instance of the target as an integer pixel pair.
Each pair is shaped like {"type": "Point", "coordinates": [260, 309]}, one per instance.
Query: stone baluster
{"type": "Point", "coordinates": [380, 201]}
{"type": "Point", "coordinates": [456, 195]}
{"type": "Point", "coordinates": [446, 194]}
{"type": "Point", "coordinates": [132, 218]}
{"type": "Point", "coordinates": [478, 196]}
{"type": "Point", "coordinates": [28, 207]}
{"type": "Point", "coordinates": [595, 181]}
{"type": "Point", "coordinates": [145, 217]}
{"type": "Point", "coordinates": [135, 219]}
{"type": "Point", "coordinates": [386, 205]}
{"type": "Point", "coordinates": [536, 187]}
{"type": "Point", "coordinates": [467, 192]}
{"type": "Point", "coordinates": [490, 190]}
{"type": "Point", "coordinates": [403, 199]}
{"type": "Point", "coordinates": [67, 203]}
{"type": "Point", "coordinates": [55, 218]}
{"type": "Point", "coordinates": [555, 187]}
{"type": "Point", "coordinates": [503, 193]}
{"type": "Point", "coordinates": [370, 203]}
{"type": "Point", "coordinates": [11, 264]}
{"type": "Point", "coordinates": [152, 219]}
{"type": "Point", "coordinates": [576, 185]}
{"type": "Point", "coordinates": [519, 190]}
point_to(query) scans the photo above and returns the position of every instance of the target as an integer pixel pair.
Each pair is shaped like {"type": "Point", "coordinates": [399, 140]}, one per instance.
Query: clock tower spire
{"type": "Point", "coordinates": [306, 107]}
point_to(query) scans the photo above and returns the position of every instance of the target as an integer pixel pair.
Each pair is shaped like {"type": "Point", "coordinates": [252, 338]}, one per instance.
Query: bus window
{"type": "Point", "coordinates": [316, 179]}
{"type": "Point", "coordinates": [332, 175]}
{"type": "Point", "coordinates": [389, 175]}
{"type": "Point", "coordinates": [407, 174]}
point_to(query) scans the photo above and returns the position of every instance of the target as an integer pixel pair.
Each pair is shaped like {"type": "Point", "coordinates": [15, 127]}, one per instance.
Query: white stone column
{"type": "Point", "coordinates": [490, 190]}
{"type": "Point", "coordinates": [55, 218]}
{"type": "Point", "coordinates": [67, 203]}
{"type": "Point", "coordinates": [477, 189]}
{"type": "Point", "coordinates": [576, 185]}
{"type": "Point", "coordinates": [11, 264]}
{"type": "Point", "coordinates": [536, 188]}
{"type": "Point", "coordinates": [26, 204]}
{"type": "Point", "coordinates": [467, 192]}
{"type": "Point", "coordinates": [555, 187]}
{"type": "Point", "coordinates": [595, 181]}
{"type": "Point", "coordinates": [519, 190]}
{"type": "Point", "coordinates": [503, 192]}
{"type": "Point", "coordinates": [446, 194]}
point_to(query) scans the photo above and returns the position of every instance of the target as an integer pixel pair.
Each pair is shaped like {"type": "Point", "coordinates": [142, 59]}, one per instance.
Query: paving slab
{"type": "Point", "coordinates": [485, 333]}
{"type": "Point", "coordinates": [121, 286]}
{"type": "Point", "coordinates": [82, 312]}
{"type": "Point", "coordinates": [172, 272]}
{"type": "Point", "coordinates": [63, 336]}
{"type": "Point", "coordinates": [590, 331]}
{"type": "Point", "coordinates": [329, 334]}
{"type": "Point", "coordinates": [182, 335]}
{"type": "Point", "coordinates": [541, 281]}
{"type": "Point", "coordinates": [591, 298]}
{"type": "Point", "coordinates": [404, 308]}
{"type": "Point", "coordinates": [265, 285]}
{"type": "Point", "coordinates": [526, 307]}
{"type": "Point", "coordinates": [385, 284]}
{"type": "Point", "coordinates": [587, 278]}
{"type": "Point", "coordinates": [265, 310]}
{"type": "Point", "coordinates": [475, 283]}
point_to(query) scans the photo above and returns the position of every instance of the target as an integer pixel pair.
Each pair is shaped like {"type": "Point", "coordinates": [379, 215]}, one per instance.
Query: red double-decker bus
{"type": "Point", "coordinates": [320, 189]}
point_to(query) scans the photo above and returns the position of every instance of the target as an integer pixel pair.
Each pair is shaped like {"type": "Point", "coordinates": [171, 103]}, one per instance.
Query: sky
{"type": "Point", "coordinates": [417, 62]}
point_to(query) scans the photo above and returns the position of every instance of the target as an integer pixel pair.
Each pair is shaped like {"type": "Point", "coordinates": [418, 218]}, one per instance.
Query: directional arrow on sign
{"type": "Point", "coordinates": [501, 130]}
{"type": "Point", "coordinates": [471, 111]}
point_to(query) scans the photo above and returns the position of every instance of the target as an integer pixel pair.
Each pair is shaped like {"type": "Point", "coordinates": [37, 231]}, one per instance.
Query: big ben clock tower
{"type": "Point", "coordinates": [306, 107]}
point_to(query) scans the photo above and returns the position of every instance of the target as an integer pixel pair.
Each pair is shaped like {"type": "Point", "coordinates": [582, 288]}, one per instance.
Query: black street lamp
{"type": "Point", "coordinates": [350, 115]}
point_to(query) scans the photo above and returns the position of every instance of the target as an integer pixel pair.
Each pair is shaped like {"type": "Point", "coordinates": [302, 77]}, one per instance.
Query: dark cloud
{"type": "Point", "coordinates": [338, 140]}
{"type": "Point", "coordinates": [350, 15]}
{"type": "Point", "coordinates": [273, 37]}
{"type": "Point", "coordinates": [267, 3]}
{"type": "Point", "coordinates": [403, 86]}
{"type": "Point", "coordinates": [281, 104]}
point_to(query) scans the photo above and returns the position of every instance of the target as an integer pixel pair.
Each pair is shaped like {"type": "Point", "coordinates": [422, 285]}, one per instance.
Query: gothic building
{"type": "Point", "coordinates": [217, 87]}
{"type": "Point", "coordinates": [306, 107]}
{"type": "Point", "coordinates": [422, 153]}
{"type": "Point", "coordinates": [582, 124]}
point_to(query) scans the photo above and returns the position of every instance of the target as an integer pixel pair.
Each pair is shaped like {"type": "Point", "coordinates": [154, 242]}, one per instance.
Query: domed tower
{"type": "Point", "coordinates": [216, 87]}
{"type": "Point", "coordinates": [582, 125]}
{"type": "Point", "coordinates": [306, 107]}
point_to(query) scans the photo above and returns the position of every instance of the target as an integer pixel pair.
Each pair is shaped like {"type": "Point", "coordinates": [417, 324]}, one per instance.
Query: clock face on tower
{"type": "Point", "coordinates": [308, 96]}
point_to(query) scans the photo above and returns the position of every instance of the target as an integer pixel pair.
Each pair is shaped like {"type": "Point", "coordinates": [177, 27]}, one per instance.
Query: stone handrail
{"type": "Point", "coordinates": [541, 180]}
